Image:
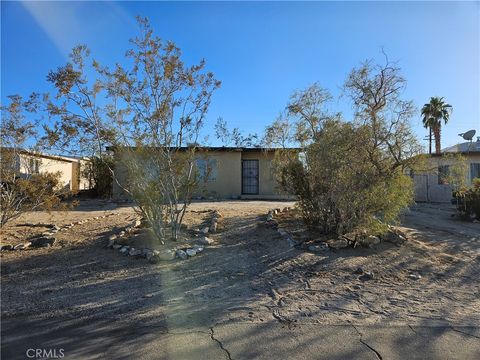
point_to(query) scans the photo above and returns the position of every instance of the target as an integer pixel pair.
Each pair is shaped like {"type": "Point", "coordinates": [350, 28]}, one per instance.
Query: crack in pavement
{"type": "Point", "coordinates": [411, 328]}
{"type": "Point", "coordinates": [212, 336]}
{"type": "Point", "coordinates": [464, 333]}
{"type": "Point", "coordinates": [368, 346]}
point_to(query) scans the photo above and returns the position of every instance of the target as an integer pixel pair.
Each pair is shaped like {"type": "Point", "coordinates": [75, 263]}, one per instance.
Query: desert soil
{"type": "Point", "coordinates": [250, 274]}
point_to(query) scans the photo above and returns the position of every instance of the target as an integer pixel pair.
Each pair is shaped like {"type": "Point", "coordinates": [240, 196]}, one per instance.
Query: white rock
{"type": "Point", "coordinates": [198, 248]}
{"type": "Point", "coordinates": [137, 223]}
{"type": "Point", "coordinates": [181, 254]}
{"type": "Point", "coordinates": [205, 241]}
{"type": "Point", "coordinates": [166, 255]}
{"type": "Point", "coordinates": [415, 276]}
{"type": "Point", "coordinates": [112, 237]}
{"type": "Point", "coordinates": [204, 230]}
{"type": "Point", "coordinates": [23, 246]}
{"type": "Point", "coordinates": [124, 249]}
{"type": "Point", "coordinates": [191, 252]}
{"type": "Point", "coordinates": [117, 246]}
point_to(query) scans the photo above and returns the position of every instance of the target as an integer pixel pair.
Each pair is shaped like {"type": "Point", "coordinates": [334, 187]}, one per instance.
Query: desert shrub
{"type": "Point", "coordinates": [340, 188]}
{"type": "Point", "coordinates": [468, 201]}
{"type": "Point", "coordinates": [349, 175]}
{"type": "Point", "coordinates": [35, 192]}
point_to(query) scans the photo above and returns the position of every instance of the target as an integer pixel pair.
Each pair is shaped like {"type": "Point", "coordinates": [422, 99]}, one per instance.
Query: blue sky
{"type": "Point", "coordinates": [263, 51]}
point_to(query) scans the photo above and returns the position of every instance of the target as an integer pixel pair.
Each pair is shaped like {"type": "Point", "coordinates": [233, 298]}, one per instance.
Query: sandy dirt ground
{"type": "Point", "coordinates": [250, 274]}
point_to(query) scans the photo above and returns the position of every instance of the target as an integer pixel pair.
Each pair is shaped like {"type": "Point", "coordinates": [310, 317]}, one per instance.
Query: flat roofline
{"type": "Point", "coordinates": [225, 148]}
{"type": "Point", "coordinates": [446, 153]}
{"type": "Point", "coordinates": [42, 155]}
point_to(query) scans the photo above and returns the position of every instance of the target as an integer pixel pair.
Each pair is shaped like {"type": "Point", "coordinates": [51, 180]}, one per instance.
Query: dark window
{"type": "Point", "coordinates": [443, 172]}
{"type": "Point", "coordinates": [474, 171]}
{"type": "Point", "coordinates": [34, 166]}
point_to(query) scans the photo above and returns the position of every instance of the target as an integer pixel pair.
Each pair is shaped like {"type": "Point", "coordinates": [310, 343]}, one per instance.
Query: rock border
{"type": "Point", "coordinates": [155, 256]}
{"type": "Point", "coordinates": [270, 221]}
{"type": "Point", "coordinates": [47, 239]}
{"type": "Point", "coordinates": [394, 236]}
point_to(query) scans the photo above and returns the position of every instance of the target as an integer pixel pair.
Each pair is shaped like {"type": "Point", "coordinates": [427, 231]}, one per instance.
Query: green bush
{"type": "Point", "coordinates": [342, 185]}
{"type": "Point", "coordinates": [99, 172]}
{"type": "Point", "coordinates": [468, 201]}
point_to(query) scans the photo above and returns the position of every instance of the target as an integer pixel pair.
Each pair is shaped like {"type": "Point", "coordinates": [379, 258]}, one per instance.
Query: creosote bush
{"type": "Point", "coordinates": [349, 175]}
{"type": "Point", "coordinates": [339, 189]}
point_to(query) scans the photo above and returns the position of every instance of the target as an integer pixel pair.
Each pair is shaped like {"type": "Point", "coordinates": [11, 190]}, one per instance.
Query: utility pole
{"type": "Point", "coordinates": [429, 138]}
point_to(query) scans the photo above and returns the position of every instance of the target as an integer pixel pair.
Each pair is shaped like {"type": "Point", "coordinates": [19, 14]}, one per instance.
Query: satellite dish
{"type": "Point", "coordinates": [468, 135]}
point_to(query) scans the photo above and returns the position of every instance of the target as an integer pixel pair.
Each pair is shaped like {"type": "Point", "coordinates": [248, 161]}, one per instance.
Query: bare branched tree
{"type": "Point", "coordinates": [235, 136]}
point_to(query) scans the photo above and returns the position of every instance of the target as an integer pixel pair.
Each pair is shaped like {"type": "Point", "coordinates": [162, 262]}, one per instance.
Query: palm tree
{"type": "Point", "coordinates": [433, 113]}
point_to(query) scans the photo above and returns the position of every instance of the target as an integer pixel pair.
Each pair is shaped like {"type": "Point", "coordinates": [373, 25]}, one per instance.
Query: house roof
{"type": "Point", "coordinates": [464, 148]}
{"type": "Point", "coordinates": [42, 155]}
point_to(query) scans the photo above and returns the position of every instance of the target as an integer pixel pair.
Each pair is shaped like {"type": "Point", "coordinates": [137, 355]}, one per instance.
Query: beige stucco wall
{"type": "Point", "coordinates": [427, 187]}
{"type": "Point", "coordinates": [227, 183]}
{"type": "Point", "coordinates": [84, 183]}
{"type": "Point", "coordinates": [66, 169]}
{"type": "Point", "coordinates": [228, 180]}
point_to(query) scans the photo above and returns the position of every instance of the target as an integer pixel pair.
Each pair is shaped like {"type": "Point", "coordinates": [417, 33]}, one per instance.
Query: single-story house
{"type": "Point", "coordinates": [432, 186]}
{"type": "Point", "coordinates": [233, 173]}
{"type": "Point", "coordinates": [31, 162]}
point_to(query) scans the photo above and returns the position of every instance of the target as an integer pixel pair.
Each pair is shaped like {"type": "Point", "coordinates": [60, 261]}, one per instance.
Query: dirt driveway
{"type": "Point", "coordinates": [249, 276]}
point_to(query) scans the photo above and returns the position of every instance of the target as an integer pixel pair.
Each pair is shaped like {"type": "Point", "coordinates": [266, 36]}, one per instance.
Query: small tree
{"type": "Point", "coordinates": [23, 187]}
{"type": "Point", "coordinates": [155, 110]}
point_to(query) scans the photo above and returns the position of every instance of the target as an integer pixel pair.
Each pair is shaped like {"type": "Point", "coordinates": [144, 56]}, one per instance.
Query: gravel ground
{"type": "Point", "coordinates": [250, 274]}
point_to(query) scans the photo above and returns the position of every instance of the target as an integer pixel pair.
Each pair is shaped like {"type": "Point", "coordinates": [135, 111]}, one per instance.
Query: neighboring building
{"type": "Point", "coordinates": [228, 173]}
{"type": "Point", "coordinates": [431, 186]}
{"type": "Point", "coordinates": [28, 162]}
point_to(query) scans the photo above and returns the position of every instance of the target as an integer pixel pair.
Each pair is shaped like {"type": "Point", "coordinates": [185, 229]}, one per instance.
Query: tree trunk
{"type": "Point", "coordinates": [436, 133]}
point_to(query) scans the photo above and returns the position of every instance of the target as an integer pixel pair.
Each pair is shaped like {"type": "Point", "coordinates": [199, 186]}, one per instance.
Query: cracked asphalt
{"type": "Point", "coordinates": [236, 301]}
{"type": "Point", "coordinates": [122, 340]}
